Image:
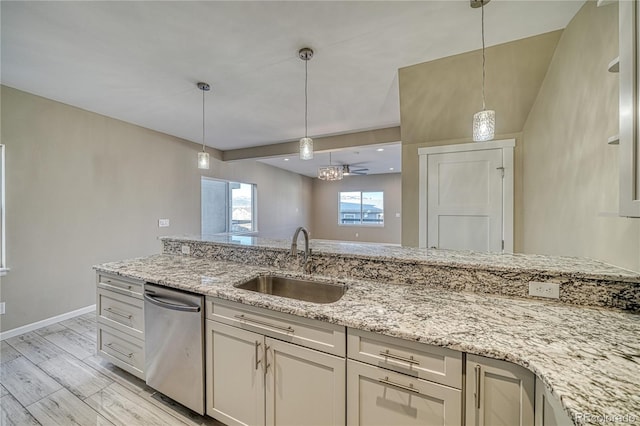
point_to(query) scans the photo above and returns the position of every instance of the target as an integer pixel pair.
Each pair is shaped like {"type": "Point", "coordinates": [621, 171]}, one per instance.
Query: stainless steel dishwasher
{"type": "Point", "coordinates": [174, 350]}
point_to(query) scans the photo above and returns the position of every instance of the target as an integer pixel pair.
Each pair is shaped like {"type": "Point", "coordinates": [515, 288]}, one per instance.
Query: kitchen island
{"type": "Point", "coordinates": [587, 357]}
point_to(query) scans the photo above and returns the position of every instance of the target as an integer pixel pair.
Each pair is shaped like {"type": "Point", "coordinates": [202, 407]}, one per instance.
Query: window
{"type": "Point", "coordinates": [227, 207]}
{"type": "Point", "coordinates": [361, 208]}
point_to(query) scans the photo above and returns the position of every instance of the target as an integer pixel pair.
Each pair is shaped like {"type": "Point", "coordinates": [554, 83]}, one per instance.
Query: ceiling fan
{"type": "Point", "coordinates": [348, 171]}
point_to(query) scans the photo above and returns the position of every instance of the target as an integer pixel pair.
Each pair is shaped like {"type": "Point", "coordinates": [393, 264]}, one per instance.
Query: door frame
{"type": "Point", "coordinates": [507, 146]}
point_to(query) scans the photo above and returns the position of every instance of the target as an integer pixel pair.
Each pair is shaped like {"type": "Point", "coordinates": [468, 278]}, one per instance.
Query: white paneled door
{"type": "Point", "coordinates": [465, 197]}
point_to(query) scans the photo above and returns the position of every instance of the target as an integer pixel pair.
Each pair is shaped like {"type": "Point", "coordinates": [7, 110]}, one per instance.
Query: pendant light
{"type": "Point", "coordinates": [203, 156]}
{"type": "Point", "coordinates": [484, 122]}
{"type": "Point", "coordinates": [306, 143]}
{"type": "Point", "coordinates": [330, 172]}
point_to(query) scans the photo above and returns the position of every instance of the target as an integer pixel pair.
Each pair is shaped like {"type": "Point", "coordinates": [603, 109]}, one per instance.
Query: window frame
{"type": "Point", "coordinates": [361, 223]}
{"type": "Point", "coordinates": [229, 206]}
{"type": "Point", "coordinates": [254, 215]}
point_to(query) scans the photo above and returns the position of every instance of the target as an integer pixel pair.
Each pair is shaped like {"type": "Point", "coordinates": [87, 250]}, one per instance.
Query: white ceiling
{"type": "Point", "coordinates": [377, 159]}
{"type": "Point", "coordinates": [140, 61]}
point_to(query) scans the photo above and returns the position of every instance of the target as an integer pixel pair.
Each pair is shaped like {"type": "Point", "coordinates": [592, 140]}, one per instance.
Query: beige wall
{"type": "Point", "coordinates": [570, 173]}
{"type": "Point", "coordinates": [566, 176]}
{"type": "Point", "coordinates": [438, 100]}
{"type": "Point", "coordinates": [84, 189]}
{"type": "Point", "coordinates": [325, 209]}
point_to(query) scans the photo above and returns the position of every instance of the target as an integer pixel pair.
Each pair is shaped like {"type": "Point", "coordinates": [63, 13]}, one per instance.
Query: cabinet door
{"type": "Point", "coordinates": [234, 375]}
{"type": "Point", "coordinates": [381, 397]}
{"type": "Point", "coordinates": [499, 393]}
{"type": "Point", "coordinates": [549, 412]}
{"type": "Point", "coordinates": [303, 386]}
{"type": "Point", "coordinates": [629, 125]}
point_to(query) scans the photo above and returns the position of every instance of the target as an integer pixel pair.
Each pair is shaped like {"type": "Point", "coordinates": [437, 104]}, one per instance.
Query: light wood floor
{"type": "Point", "coordinates": [52, 376]}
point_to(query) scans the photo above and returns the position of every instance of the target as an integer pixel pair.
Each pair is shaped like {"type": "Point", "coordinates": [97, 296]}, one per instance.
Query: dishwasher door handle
{"type": "Point", "coordinates": [173, 306]}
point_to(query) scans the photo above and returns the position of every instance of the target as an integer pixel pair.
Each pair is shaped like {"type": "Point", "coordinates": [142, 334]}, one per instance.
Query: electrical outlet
{"type": "Point", "coordinates": [186, 250]}
{"type": "Point", "coordinates": [1, 308]}
{"type": "Point", "coordinates": [550, 290]}
{"type": "Point", "coordinates": [163, 223]}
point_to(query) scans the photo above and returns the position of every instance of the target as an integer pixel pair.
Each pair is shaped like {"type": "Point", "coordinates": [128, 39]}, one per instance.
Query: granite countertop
{"type": "Point", "coordinates": [588, 357]}
{"type": "Point", "coordinates": [575, 266]}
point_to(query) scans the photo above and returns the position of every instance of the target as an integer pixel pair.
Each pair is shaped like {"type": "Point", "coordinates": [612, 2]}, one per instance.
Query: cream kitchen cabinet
{"type": "Point", "coordinates": [629, 159]}
{"type": "Point", "coordinates": [396, 382]}
{"type": "Point", "coordinates": [120, 322]}
{"type": "Point", "coordinates": [303, 386]}
{"type": "Point", "coordinates": [253, 377]}
{"type": "Point", "coordinates": [498, 393]}
{"type": "Point", "coordinates": [380, 397]}
{"type": "Point", "coordinates": [549, 412]}
{"type": "Point", "coordinates": [234, 375]}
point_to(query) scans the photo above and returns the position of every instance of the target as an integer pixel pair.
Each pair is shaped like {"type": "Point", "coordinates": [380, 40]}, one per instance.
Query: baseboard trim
{"type": "Point", "coordinates": [45, 322]}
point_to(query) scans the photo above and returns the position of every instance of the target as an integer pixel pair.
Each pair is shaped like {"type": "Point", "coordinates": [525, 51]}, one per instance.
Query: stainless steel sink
{"type": "Point", "coordinates": [307, 290]}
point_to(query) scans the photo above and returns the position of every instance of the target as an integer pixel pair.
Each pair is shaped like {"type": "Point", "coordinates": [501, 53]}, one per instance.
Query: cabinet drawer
{"type": "Point", "coordinates": [124, 313]}
{"type": "Point", "coordinates": [416, 359]}
{"type": "Point", "coordinates": [376, 396]}
{"type": "Point", "coordinates": [126, 286]}
{"type": "Point", "coordinates": [306, 332]}
{"type": "Point", "coordinates": [124, 351]}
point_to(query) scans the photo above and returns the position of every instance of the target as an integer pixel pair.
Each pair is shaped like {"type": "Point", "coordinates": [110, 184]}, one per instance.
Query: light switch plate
{"type": "Point", "coordinates": [163, 223]}
{"type": "Point", "coordinates": [1, 308]}
{"type": "Point", "coordinates": [539, 289]}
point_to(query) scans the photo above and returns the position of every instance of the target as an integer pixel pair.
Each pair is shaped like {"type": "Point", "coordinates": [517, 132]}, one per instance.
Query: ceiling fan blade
{"type": "Point", "coordinates": [346, 169]}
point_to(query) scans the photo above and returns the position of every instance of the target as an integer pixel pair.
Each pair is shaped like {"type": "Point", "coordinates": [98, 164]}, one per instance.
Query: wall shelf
{"type": "Point", "coordinates": [606, 2]}
{"type": "Point", "coordinates": [614, 140]}
{"type": "Point", "coordinates": [614, 66]}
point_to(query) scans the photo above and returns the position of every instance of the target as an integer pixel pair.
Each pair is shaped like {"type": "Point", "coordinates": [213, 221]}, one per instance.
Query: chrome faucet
{"type": "Point", "coordinates": [307, 250]}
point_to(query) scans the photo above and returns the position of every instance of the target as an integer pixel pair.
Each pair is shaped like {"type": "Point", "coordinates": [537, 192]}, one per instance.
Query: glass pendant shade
{"type": "Point", "coordinates": [203, 156]}
{"type": "Point", "coordinates": [203, 160]}
{"type": "Point", "coordinates": [484, 125]}
{"type": "Point", "coordinates": [306, 148]}
{"type": "Point", "coordinates": [330, 173]}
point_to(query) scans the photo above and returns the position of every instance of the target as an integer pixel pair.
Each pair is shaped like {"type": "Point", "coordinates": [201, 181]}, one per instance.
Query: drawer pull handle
{"type": "Point", "coordinates": [128, 287]}
{"type": "Point", "coordinates": [115, 349]}
{"type": "Point", "coordinates": [409, 360]}
{"type": "Point", "coordinates": [266, 358]}
{"type": "Point", "coordinates": [278, 327]}
{"type": "Point", "coordinates": [257, 360]}
{"type": "Point", "coordinates": [409, 388]}
{"type": "Point", "coordinates": [114, 312]}
{"type": "Point", "coordinates": [478, 387]}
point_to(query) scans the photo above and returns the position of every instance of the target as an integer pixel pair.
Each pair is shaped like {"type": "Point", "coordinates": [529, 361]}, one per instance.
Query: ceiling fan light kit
{"type": "Point", "coordinates": [338, 172]}
{"type": "Point", "coordinates": [346, 171]}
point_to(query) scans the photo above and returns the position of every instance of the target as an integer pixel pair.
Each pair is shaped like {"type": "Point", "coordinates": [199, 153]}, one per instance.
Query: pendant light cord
{"type": "Point", "coordinates": [483, 59]}
{"type": "Point", "coordinates": [305, 96]}
{"type": "Point", "coordinates": [203, 149]}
